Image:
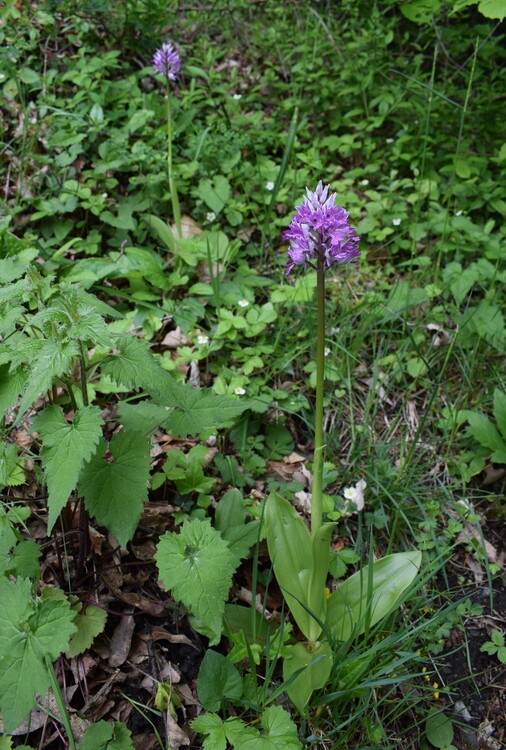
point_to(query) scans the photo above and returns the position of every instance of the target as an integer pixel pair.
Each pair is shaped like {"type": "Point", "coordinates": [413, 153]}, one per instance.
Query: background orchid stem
{"type": "Point", "coordinates": [319, 447]}
{"type": "Point", "coordinates": [176, 212]}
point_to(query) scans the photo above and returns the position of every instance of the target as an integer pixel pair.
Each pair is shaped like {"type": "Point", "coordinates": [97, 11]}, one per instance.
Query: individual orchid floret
{"type": "Point", "coordinates": [167, 62]}
{"type": "Point", "coordinates": [319, 231]}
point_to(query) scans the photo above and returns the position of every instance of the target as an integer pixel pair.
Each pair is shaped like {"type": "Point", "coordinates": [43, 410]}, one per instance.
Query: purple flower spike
{"type": "Point", "coordinates": [167, 62]}
{"type": "Point", "coordinates": [320, 230]}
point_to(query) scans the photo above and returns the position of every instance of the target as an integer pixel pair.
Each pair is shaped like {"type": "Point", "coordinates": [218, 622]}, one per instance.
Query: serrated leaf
{"type": "Point", "coordinates": [500, 411]}
{"type": "Point", "coordinates": [24, 562]}
{"type": "Point", "coordinates": [115, 492]}
{"type": "Point", "coordinates": [278, 732]}
{"type": "Point", "coordinates": [107, 736]}
{"type": "Point", "coordinates": [484, 431]}
{"type": "Point", "coordinates": [11, 385]}
{"type": "Point", "coordinates": [203, 410]}
{"type": "Point", "coordinates": [66, 447]}
{"type": "Point", "coordinates": [215, 728]}
{"type": "Point", "coordinates": [30, 632]}
{"type": "Point", "coordinates": [217, 681]}
{"type": "Point", "coordinates": [52, 362]}
{"type": "Point", "coordinates": [135, 367]}
{"type": "Point", "coordinates": [8, 461]}
{"type": "Point", "coordinates": [197, 566]}
{"type": "Point", "coordinates": [89, 624]}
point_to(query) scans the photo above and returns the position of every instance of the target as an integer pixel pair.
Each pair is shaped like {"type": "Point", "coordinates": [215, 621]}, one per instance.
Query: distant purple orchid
{"type": "Point", "coordinates": [167, 62]}
{"type": "Point", "coordinates": [319, 230]}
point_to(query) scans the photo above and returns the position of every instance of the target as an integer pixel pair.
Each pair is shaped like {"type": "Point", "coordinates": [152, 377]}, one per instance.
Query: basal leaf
{"type": "Point", "coordinates": [66, 447]}
{"type": "Point", "coordinates": [356, 604]}
{"type": "Point", "coordinates": [197, 566]}
{"type": "Point", "coordinates": [217, 681]}
{"type": "Point", "coordinates": [30, 632]}
{"type": "Point", "coordinates": [315, 664]}
{"type": "Point", "coordinates": [115, 492]}
{"type": "Point", "coordinates": [291, 551]}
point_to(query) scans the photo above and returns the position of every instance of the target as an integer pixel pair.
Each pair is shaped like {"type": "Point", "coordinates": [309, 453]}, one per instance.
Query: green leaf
{"type": "Point", "coordinates": [8, 462]}
{"type": "Point", "coordinates": [115, 492]}
{"type": "Point", "coordinates": [500, 411]}
{"type": "Point", "coordinates": [230, 511]}
{"type": "Point", "coordinates": [420, 11]}
{"type": "Point", "coordinates": [162, 231]}
{"type": "Point", "coordinates": [198, 566]}
{"type": "Point", "coordinates": [11, 385]}
{"type": "Point", "coordinates": [202, 410]}
{"type": "Point", "coordinates": [300, 563]}
{"type": "Point", "coordinates": [30, 632]}
{"type": "Point", "coordinates": [217, 681]}
{"type": "Point", "coordinates": [66, 447]}
{"type": "Point", "coordinates": [215, 728]}
{"type": "Point", "coordinates": [484, 431]}
{"type": "Point", "coordinates": [493, 8]}
{"type": "Point", "coordinates": [316, 665]}
{"type": "Point", "coordinates": [278, 732]}
{"type": "Point", "coordinates": [107, 736]}
{"type": "Point", "coordinates": [438, 728]}
{"type": "Point", "coordinates": [24, 561]}
{"type": "Point", "coordinates": [53, 361]}
{"type": "Point", "coordinates": [215, 193]}
{"type": "Point", "coordinates": [356, 604]}
{"type": "Point", "coordinates": [89, 624]}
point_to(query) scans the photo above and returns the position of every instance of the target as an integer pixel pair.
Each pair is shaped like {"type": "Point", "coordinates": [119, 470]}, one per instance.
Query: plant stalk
{"type": "Point", "coordinates": [176, 211]}
{"type": "Point", "coordinates": [316, 489]}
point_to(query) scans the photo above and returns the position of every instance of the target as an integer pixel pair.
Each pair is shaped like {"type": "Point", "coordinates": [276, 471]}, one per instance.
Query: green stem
{"type": "Point", "coordinates": [316, 490]}
{"type": "Point", "coordinates": [64, 715]}
{"type": "Point", "coordinates": [83, 363]}
{"type": "Point", "coordinates": [176, 212]}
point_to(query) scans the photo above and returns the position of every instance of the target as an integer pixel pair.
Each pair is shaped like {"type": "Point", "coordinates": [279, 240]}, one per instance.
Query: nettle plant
{"type": "Point", "coordinates": [58, 355]}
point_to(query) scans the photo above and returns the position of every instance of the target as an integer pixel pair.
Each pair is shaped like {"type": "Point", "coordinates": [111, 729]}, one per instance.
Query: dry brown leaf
{"type": "Point", "coordinates": [175, 338]}
{"type": "Point", "coordinates": [175, 735]}
{"type": "Point", "coordinates": [121, 640]}
{"type": "Point", "coordinates": [160, 634]}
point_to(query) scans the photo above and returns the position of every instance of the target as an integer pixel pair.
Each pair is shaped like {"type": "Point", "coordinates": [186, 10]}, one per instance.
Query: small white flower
{"type": "Point", "coordinates": [202, 339]}
{"type": "Point", "coordinates": [243, 303]}
{"type": "Point", "coordinates": [210, 216]}
{"type": "Point", "coordinates": [239, 391]}
{"type": "Point", "coordinates": [104, 195]}
{"type": "Point", "coordinates": [269, 186]}
{"type": "Point", "coordinates": [354, 497]}
{"type": "Point", "coordinates": [326, 351]}
{"type": "Point", "coordinates": [389, 140]}
{"type": "Point", "coordinates": [458, 213]}
{"type": "Point", "coordinates": [2, 76]}
{"type": "Point", "coordinates": [365, 181]}
{"type": "Point", "coordinates": [236, 96]}
{"type": "Point", "coordinates": [396, 222]}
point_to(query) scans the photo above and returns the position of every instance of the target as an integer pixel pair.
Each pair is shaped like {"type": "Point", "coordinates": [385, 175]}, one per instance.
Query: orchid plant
{"type": "Point", "coordinates": [321, 237]}
{"type": "Point", "coordinates": [167, 62]}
